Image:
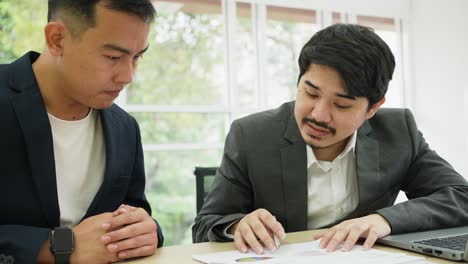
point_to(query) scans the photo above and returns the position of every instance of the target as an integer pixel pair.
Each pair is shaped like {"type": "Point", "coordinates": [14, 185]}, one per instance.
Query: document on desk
{"type": "Point", "coordinates": [310, 252]}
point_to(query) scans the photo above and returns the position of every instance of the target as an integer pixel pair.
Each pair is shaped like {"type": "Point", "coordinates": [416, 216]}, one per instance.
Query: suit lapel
{"type": "Point", "coordinates": [34, 122]}
{"type": "Point", "coordinates": [107, 119]}
{"type": "Point", "coordinates": [367, 168]}
{"type": "Point", "coordinates": [294, 171]}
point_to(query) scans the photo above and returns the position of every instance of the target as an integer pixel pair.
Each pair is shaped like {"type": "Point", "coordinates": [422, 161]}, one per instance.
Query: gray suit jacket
{"type": "Point", "coordinates": [264, 166]}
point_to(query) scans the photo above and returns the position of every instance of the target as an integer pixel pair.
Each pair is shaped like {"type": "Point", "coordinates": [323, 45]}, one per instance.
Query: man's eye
{"type": "Point", "coordinates": [138, 57]}
{"type": "Point", "coordinates": [113, 58]}
{"type": "Point", "coordinates": [312, 95]}
{"type": "Point", "coordinates": [342, 106]}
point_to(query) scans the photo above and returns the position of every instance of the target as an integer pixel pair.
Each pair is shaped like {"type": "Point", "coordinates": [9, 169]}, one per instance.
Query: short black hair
{"type": "Point", "coordinates": [363, 60]}
{"type": "Point", "coordinates": [79, 15]}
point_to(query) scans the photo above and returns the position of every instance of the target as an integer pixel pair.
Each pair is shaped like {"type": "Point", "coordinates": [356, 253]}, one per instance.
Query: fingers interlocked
{"type": "Point", "coordinates": [131, 232]}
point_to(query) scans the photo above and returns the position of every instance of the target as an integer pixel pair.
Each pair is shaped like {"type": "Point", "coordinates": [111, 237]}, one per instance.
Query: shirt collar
{"type": "Point", "coordinates": [350, 146]}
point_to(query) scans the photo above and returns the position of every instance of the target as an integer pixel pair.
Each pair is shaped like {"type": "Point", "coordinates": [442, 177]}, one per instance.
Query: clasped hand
{"type": "Point", "coordinates": [110, 237]}
{"type": "Point", "coordinates": [131, 232]}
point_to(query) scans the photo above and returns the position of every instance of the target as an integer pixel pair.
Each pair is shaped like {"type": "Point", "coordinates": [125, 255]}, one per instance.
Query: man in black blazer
{"type": "Point", "coordinates": [331, 158]}
{"type": "Point", "coordinates": [92, 50]}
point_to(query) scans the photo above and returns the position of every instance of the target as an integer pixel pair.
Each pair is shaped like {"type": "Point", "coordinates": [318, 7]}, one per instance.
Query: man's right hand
{"type": "Point", "coordinates": [88, 245]}
{"type": "Point", "coordinates": [258, 225]}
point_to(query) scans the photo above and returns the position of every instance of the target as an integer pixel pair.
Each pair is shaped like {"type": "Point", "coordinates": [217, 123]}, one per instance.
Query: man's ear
{"type": "Point", "coordinates": [54, 35]}
{"type": "Point", "coordinates": [371, 112]}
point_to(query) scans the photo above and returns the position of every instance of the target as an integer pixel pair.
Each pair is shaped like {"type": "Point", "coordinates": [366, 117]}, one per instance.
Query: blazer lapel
{"type": "Point", "coordinates": [367, 168]}
{"type": "Point", "coordinates": [294, 171]}
{"type": "Point", "coordinates": [32, 117]}
{"type": "Point", "coordinates": [107, 119]}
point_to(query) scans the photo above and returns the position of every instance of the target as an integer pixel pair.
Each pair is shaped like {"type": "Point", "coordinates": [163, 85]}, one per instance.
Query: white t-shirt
{"type": "Point", "coordinates": [80, 156]}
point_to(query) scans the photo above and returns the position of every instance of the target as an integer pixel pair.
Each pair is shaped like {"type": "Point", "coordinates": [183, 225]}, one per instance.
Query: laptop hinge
{"type": "Point", "coordinates": [465, 254]}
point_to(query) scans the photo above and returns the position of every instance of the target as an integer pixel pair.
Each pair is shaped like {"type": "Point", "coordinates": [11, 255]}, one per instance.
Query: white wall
{"type": "Point", "coordinates": [438, 90]}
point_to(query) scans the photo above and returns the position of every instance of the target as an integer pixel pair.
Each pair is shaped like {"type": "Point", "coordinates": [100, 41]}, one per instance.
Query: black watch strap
{"type": "Point", "coordinates": [62, 258]}
{"type": "Point", "coordinates": [62, 244]}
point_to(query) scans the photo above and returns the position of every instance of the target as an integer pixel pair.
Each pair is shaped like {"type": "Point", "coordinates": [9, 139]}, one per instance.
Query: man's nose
{"type": "Point", "coordinates": [321, 112]}
{"type": "Point", "coordinates": [125, 73]}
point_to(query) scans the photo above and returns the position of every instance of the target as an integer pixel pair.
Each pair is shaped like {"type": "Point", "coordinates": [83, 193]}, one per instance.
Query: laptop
{"type": "Point", "coordinates": [443, 243]}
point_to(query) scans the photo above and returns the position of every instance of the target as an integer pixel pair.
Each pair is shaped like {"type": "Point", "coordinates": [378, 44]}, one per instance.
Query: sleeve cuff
{"type": "Point", "coordinates": [226, 234]}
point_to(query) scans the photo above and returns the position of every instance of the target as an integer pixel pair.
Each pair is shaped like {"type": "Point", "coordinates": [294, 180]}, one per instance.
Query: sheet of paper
{"type": "Point", "coordinates": [304, 253]}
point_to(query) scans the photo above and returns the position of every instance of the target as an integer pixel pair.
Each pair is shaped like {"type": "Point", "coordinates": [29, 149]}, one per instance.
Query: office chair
{"type": "Point", "coordinates": [204, 177]}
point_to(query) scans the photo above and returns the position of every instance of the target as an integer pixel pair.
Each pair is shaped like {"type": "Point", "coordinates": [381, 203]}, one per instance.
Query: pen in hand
{"type": "Point", "coordinates": [277, 241]}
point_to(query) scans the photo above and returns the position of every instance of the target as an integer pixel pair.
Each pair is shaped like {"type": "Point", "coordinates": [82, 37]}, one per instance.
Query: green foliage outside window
{"type": "Point", "coordinates": [21, 27]}
{"type": "Point", "coordinates": [185, 62]}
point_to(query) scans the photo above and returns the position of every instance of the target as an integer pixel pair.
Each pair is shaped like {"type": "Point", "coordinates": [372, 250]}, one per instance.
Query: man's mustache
{"type": "Point", "coordinates": [320, 124]}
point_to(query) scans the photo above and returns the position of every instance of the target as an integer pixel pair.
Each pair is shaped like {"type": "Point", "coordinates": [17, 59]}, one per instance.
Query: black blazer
{"type": "Point", "coordinates": [265, 166]}
{"type": "Point", "coordinates": [28, 191]}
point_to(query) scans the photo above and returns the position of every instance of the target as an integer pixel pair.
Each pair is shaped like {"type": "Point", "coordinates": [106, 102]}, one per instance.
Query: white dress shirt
{"type": "Point", "coordinates": [332, 187]}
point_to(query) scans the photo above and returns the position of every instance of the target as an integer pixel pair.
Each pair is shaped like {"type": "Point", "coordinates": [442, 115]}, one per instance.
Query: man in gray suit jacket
{"type": "Point", "coordinates": [331, 158]}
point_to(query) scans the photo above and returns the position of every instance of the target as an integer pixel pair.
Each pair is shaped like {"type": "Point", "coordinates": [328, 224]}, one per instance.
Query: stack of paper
{"type": "Point", "coordinates": [310, 252]}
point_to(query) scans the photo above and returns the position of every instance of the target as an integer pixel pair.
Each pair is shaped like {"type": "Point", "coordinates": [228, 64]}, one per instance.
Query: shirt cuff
{"type": "Point", "coordinates": [227, 228]}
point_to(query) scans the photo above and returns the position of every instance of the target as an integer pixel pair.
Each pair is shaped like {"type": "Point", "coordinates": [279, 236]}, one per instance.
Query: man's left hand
{"type": "Point", "coordinates": [131, 232]}
{"type": "Point", "coordinates": [348, 232]}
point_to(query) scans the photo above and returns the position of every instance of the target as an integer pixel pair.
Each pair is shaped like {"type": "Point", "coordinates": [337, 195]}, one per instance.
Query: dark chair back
{"type": "Point", "coordinates": [204, 177]}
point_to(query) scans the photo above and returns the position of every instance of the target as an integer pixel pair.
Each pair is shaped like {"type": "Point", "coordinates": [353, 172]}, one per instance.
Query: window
{"type": "Point", "coordinates": [387, 29]}
{"type": "Point", "coordinates": [287, 30]}
{"type": "Point", "coordinates": [185, 64]}
{"type": "Point", "coordinates": [246, 56]}
{"type": "Point", "coordinates": [178, 98]}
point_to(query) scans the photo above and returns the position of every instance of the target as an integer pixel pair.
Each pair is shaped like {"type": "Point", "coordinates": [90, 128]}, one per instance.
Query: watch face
{"type": "Point", "coordinates": [62, 240]}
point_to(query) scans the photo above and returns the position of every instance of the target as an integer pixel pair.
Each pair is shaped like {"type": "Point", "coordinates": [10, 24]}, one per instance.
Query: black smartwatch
{"type": "Point", "coordinates": [62, 243]}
